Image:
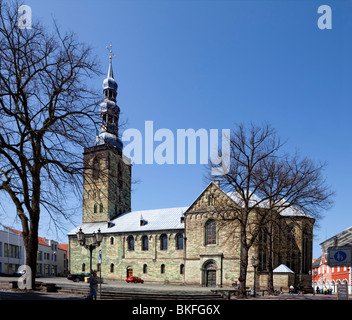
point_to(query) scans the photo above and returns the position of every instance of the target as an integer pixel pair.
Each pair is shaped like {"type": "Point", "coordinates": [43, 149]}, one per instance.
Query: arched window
{"type": "Point", "coordinates": [96, 169]}
{"type": "Point", "coordinates": [83, 267]}
{"type": "Point", "coordinates": [101, 208]}
{"type": "Point", "coordinates": [130, 243]}
{"type": "Point", "coordinates": [163, 242]}
{"type": "Point", "coordinates": [179, 242]}
{"type": "Point", "coordinates": [145, 268]}
{"type": "Point", "coordinates": [210, 232]}
{"type": "Point", "coordinates": [182, 269]}
{"type": "Point", "coordinates": [112, 267]}
{"type": "Point", "coordinates": [144, 243]}
{"type": "Point", "coordinates": [162, 269]}
{"type": "Point", "coordinates": [292, 249]}
{"type": "Point", "coordinates": [306, 250]}
{"type": "Point", "coordinates": [112, 240]}
{"type": "Point", "coordinates": [119, 175]}
{"type": "Point", "coordinates": [262, 249]}
{"type": "Point", "coordinates": [95, 208]}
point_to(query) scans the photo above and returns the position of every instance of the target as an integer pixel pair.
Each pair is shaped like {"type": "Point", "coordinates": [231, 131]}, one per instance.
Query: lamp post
{"type": "Point", "coordinates": [89, 242]}
{"type": "Point", "coordinates": [254, 262]}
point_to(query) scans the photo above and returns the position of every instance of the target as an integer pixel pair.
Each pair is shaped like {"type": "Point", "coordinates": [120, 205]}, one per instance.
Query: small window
{"type": "Point", "coordinates": [96, 169]}
{"type": "Point", "coordinates": [145, 268]}
{"type": "Point", "coordinates": [112, 268]}
{"type": "Point", "coordinates": [83, 267]}
{"type": "Point", "coordinates": [112, 240]}
{"type": "Point", "coordinates": [182, 269]}
{"type": "Point", "coordinates": [95, 208]}
{"type": "Point", "coordinates": [145, 243]}
{"type": "Point", "coordinates": [163, 242]}
{"type": "Point", "coordinates": [130, 243]}
{"type": "Point", "coordinates": [179, 242]}
{"type": "Point", "coordinates": [101, 208]}
{"type": "Point", "coordinates": [162, 269]}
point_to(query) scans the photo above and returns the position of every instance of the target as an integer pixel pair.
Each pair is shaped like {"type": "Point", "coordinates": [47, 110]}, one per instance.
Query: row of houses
{"type": "Point", "coordinates": [52, 258]}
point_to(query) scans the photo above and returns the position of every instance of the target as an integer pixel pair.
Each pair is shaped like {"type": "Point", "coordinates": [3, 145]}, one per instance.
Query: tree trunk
{"type": "Point", "coordinates": [243, 266]}
{"type": "Point", "coordinates": [269, 260]}
{"type": "Point", "coordinates": [269, 267]}
{"type": "Point", "coordinates": [31, 251]}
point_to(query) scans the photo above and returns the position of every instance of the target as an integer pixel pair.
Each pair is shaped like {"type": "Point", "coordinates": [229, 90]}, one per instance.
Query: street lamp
{"type": "Point", "coordinates": [89, 242]}
{"type": "Point", "coordinates": [254, 262]}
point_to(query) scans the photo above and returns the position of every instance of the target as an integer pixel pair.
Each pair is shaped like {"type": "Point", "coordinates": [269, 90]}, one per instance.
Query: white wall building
{"type": "Point", "coordinates": [51, 257]}
{"type": "Point", "coordinates": [12, 253]}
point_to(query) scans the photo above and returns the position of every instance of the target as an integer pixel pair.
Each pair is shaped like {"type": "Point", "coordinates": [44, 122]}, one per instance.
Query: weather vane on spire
{"type": "Point", "coordinates": [110, 51]}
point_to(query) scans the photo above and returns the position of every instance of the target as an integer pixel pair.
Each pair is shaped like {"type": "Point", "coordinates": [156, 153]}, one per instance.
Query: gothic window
{"type": "Point", "coordinates": [96, 168]}
{"type": "Point", "coordinates": [262, 249]}
{"type": "Point", "coordinates": [306, 250]}
{"type": "Point", "coordinates": [292, 249]}
{"type": "Point", "coordinates": [163, 242]}
{"type": "Point", "coordinates": [210, 232]}
{"type": "Point", "coordinates": [145, 243]}
{"type": "Point", "coordinates": [101, 208]}
{"type": "Point", "coordinates": [179, 242]}
{"type": "Point", "coordinates": [130, 243]}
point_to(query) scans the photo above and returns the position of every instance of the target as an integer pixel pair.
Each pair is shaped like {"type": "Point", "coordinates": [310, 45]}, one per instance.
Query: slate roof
{"type": "Point", "coordinates": [162, 219]}
{"type": "Point", "coordinates": [157, 219]}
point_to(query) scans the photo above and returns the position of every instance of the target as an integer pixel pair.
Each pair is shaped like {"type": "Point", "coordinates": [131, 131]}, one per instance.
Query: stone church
{"type": "Point", "coordinates": [183, 245]}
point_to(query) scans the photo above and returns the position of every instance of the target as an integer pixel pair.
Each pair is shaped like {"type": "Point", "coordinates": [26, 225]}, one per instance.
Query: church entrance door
{"type": "Point", "coordinates": [211, 278]}
{"type": "Point", "coordinates": [129, 272]}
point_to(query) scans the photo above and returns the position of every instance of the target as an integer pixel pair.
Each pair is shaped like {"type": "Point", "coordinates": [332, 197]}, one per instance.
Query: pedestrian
{"type": "Point", "coordinates": [93, 281]}
{"type": "Point", "coordinates": [291, 289]}
{"type": "Point", "coordinates": [298, 289]}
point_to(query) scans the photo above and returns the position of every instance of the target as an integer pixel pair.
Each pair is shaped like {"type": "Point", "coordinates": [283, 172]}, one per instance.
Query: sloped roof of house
{"type": "Point", "coordinates": [157, 219]}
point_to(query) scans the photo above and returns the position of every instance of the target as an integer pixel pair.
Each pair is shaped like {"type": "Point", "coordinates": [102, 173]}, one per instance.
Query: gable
{"type": "Point", "coordinates": [207, 199]}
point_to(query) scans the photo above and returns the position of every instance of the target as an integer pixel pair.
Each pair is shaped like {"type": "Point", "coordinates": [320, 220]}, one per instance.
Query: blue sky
{"type": "Point", "coordinates": [212, 64]}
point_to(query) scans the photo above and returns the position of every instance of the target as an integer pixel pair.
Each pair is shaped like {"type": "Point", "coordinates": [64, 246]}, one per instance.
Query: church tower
{"type": "Point", "coordinates": [107, 172]}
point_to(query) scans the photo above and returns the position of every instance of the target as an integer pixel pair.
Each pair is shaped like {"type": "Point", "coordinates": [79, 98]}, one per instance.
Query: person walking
{"type": "Point", "coordinates": [93, 281]}
{"type": "Point", "coordinates": [291, 290]}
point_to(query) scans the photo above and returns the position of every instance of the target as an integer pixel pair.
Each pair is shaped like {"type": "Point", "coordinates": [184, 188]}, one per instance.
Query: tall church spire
{"type": "Point", "coordinates": [109, 111]}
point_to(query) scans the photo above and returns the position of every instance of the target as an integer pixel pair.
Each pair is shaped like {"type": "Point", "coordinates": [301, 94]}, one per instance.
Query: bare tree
{"type": "Point", "coordinates": [46, 111]}
{"type": "Point", "coordinates": [263, 182]}
{"type": "Point", "coordinates": [294, 188]}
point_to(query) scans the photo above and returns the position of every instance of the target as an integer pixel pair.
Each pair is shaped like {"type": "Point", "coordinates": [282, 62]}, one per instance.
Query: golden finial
{"type": "Point", "coordinates": [110, 51]}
